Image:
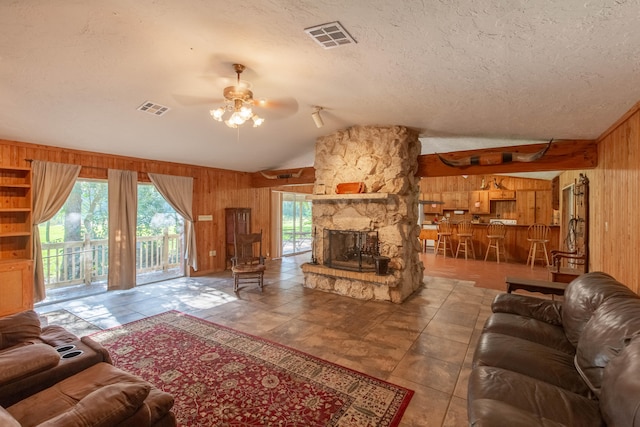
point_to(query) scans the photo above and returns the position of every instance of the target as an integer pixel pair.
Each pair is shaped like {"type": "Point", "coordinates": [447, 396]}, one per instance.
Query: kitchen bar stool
{"type": "Point", "coordinates": [445, 231]}
{"type": "Point", "coordinates": [538, 237]}
{"type": "Point", "coordinates": [495, 233]}
{"type": "Point", "coordinates": [465, 239]}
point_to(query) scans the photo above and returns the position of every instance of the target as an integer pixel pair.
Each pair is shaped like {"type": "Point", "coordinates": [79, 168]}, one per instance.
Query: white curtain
{"type": "Point", "coordinates": [178, 192]}
{"type": "Point", "coordinates": [123, 207]}
{"type": "Point", "coordinates": [51, 185]}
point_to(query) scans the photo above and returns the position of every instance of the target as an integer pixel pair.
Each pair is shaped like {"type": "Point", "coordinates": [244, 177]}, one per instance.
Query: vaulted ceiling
{"type": "Point", "coordinates": [466, 74]}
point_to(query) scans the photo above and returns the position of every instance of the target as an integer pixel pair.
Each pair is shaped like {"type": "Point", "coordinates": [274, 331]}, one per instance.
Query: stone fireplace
{"type": "Point", "coordinates": [385, 159]}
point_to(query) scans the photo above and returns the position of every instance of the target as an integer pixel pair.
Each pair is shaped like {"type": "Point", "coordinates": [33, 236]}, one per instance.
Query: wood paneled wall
{"type": "Point", "coordinates": [614, 186]}
{"type": "Point", "coordinates": [473, 183]}
{"type": "Point", "coordinates": [214, 190]}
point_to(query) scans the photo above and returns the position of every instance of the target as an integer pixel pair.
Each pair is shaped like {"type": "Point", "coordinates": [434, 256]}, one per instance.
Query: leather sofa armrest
{"type": "Point", "coordinates": [26, 360]}
{"type": "Point", "coordinates": [540, 309]}
{"type": "Point", "coordinates": [107, 406]}
{"type": "Point", "coordinates": [98, 348]}
{"type": "Point", "coordinates": [6, 420]}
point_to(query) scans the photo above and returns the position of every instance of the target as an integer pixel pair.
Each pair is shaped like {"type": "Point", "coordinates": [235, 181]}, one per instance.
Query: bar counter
{"type": "Point", "coordinates": [515, 241]}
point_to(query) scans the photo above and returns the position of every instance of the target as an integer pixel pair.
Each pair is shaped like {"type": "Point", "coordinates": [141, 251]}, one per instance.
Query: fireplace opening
{"type": "Point", "coordinates": [352, 250]}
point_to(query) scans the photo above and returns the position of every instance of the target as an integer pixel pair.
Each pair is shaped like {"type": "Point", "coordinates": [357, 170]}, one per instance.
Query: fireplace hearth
{"type": "Point", "coordinates": [352, 250]}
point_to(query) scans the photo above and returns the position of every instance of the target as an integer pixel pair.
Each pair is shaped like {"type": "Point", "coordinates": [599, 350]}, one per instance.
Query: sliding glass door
{"type": "Point", "coordinates": [296, 231]}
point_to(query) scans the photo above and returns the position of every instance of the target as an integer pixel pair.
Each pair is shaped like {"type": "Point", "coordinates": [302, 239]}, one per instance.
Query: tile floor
{"type": "Point", "coordinates": [425, 344]}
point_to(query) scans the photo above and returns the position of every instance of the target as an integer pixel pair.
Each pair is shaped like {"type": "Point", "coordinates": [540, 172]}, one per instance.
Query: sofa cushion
{"type": "Point", "coordinates": [620, 393]}
{"type": "Point", "coordinates": [65, 394]}
{"type": "Point", "coordinates": [537, 308]}
{"type": "Point", "coordinates": [27, 360]}
{"type": "Point", "coordinates": [6, 420]}
{"type": "Point", "coordinates": [605, 335]}
{"type": "Point", "coordinates": [498, 394]}
{"type": "Point", "coordinates": [530, 329]}
{"type": "Point", "coordinates": [583, 296]}
{"type": "Point", "coordinates": [105, 407]}
{"type": "Point", "coordinates": [529, 358]}
{"type": "Point", "coordinates": [19, 328]}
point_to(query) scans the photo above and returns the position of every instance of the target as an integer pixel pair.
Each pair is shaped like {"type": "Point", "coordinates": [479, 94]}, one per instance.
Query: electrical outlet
{"type": "Point", "coordinates": [212, 253]}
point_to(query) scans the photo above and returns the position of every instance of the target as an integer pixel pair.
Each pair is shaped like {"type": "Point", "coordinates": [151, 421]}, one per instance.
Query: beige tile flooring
{"type": "Point", "coordinates": [425, 344]}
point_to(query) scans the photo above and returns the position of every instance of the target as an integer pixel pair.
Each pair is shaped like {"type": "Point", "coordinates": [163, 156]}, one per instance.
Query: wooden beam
{"type": "Point", "coordinates": [308, 176]}
{"type": "Point", "coordinates": [562, 155]}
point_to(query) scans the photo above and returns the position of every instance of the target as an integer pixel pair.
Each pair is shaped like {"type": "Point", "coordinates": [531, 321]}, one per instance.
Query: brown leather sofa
{"type": "Point", "coordinates": [549, 363]}
{"type": "Point", "coordinates": [50, 377]}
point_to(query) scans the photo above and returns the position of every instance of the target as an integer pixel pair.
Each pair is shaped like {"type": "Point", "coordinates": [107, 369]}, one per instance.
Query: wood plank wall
{"type": "Point", "coordinates": [473, 182]}
{"type": "Point", "coordinates": [214, 190]}
{"type": "Point", "coordinates": [614, 186]}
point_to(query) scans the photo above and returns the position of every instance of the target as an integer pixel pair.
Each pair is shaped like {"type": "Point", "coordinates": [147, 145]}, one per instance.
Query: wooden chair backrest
{"type": "Point", "coordinates": [538, 231]}
{"type": "Point", "coordinates": [496, 229]}
{"type": "Point", "coordinates": [445, 227]}
{"type": "Point", "coordinates": [465, 227]}
{"type": "Point", "coordinates": [248, 248]}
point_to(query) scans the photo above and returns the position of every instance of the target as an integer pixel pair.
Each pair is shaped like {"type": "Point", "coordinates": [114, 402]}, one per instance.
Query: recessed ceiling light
{"type": "Point", "coordinates": [330, 35]}
{"type": "Point", "coordinates": [153, 108]}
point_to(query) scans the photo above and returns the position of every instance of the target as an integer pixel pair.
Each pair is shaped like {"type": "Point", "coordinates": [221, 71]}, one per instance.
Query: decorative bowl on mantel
{"type": "Point", "coordinates": [350, 188]}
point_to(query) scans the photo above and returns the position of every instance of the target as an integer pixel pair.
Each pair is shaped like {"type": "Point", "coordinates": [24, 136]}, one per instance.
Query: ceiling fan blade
{"type": "Point", "coordinates": [191, 100]}
{"type": "Point", "coordinates": [278, 108]}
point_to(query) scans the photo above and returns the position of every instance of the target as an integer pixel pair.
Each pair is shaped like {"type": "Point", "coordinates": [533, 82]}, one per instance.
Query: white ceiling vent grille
{"type": "Point", "coordinates": [152, 108]}
{"type": "Point", "coordinates": [330, 35]}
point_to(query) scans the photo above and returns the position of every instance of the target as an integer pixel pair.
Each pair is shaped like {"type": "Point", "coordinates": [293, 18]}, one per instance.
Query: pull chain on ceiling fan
{"type": "Point", "coordinates": [238, 100]}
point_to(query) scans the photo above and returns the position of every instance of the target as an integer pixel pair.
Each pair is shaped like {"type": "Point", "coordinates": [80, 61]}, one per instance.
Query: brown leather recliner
{"type": "Point", "coordinates": [542, 362]}
{"type": "Point", "coordinates": [50, 377]}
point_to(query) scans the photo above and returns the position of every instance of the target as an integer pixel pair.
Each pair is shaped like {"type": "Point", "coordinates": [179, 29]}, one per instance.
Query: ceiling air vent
{"type": "Point", "coordinates": [152, 108]}
{"type": "Point", "coordinates": [330, 35]}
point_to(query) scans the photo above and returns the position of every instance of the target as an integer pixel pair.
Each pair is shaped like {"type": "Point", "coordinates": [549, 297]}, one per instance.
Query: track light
{"type": "Point", "coordinates": [317, 119]}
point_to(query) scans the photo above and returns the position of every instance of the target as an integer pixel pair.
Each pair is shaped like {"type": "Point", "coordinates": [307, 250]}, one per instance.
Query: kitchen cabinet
{"type": "Point", "coordinates": [236, 220]}
{"type": "Point", "coordinates": [16, 267]}
{"type": "Point", "coordinates": [455, 200]}
{"type": "Point", "coordinates": [431, 208]}
{"type": "Point", "coordinates": [479, 202]}
{"type": "Point", "coordinates": [502, 195]}
{"type": "Point", "coordinates": [533, 206]}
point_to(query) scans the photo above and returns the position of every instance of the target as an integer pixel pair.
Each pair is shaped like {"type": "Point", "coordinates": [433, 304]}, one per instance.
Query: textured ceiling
{"type": "Point", "coordinates": [72, 73]}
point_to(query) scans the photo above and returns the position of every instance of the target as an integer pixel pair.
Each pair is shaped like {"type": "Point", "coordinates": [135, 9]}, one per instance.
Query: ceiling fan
{"type": "Point", "coordinates": [238, 98]}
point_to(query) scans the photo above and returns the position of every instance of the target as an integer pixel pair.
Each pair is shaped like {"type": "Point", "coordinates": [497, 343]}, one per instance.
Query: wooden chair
{"type": "Point", "coordinates": [445, 231]}
{"type": "Point", "coordinates": [496, 232]}
{"type": "Point", "coordinates": [567, 265]}
{"type": "Point", "coordinates": [247, 265]}
{"type": "Point", "coordinates": [538, 237]}
{"type": "Point", "coordinates": [465, 239]}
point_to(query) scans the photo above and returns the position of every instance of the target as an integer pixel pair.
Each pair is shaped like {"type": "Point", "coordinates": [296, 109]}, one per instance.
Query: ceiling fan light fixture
{"type": "Point", "coordinates": [238, 100]}
{"type": "Point", "coordinates": [218, 113]}
{"type": "Point", "coordinates": [257, 120]}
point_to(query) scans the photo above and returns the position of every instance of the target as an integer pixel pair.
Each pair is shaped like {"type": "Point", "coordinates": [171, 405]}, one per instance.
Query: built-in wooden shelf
{"type": "Point", "coordinates": [340, 197]}
{"type": "Point", "coordinates": [16, 234]}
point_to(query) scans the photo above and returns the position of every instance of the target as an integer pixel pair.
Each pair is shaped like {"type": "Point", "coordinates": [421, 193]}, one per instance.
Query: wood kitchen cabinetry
{"type": "Point", "coordinates": [16, 274]}
{"type": "Point", "coordinates": [533, 206]}
{"type": "Point", "coordinates": [502, 195]}
{"type": "Point", "coordinates": [236, 220]}
{"type": "Point", "coordinates": [479, 202]}
{"type": "Point", "coordinates": [455, 200]}
{"type": "Point", "coordinates": [429, 207]}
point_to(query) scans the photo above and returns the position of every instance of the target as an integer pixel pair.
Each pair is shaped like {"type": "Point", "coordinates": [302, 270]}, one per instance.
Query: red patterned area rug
{"type": "Point", "coordinates": [223, 377]}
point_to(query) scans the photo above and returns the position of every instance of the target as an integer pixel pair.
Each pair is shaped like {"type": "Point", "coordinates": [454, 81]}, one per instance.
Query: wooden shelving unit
{"type": "Point", "coordinates": [16, 266]}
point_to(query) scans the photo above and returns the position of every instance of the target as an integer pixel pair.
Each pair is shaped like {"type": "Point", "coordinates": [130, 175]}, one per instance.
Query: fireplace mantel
{"type": "Point", "coordinates": [339, 197]}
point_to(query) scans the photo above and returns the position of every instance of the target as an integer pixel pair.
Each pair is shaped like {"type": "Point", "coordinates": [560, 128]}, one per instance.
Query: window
{"type": "Point", "coordinates": [295, 224]}
{"type": "Point", "coordinates": [159, 238]}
